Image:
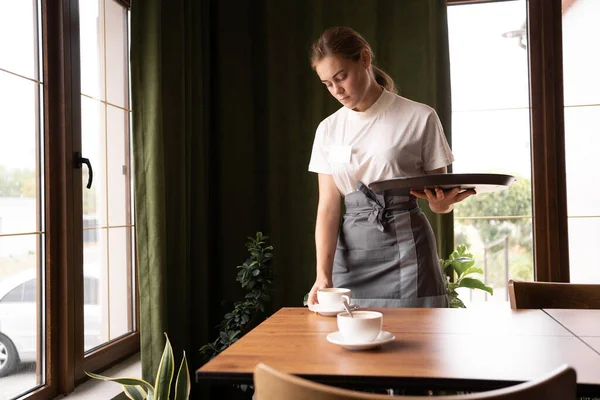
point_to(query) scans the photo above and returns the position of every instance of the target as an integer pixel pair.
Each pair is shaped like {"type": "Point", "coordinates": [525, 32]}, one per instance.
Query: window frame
{"type": "Point", "coordinates": [548, 173]}
{"type": "Point", "coordinates": [63, 278]}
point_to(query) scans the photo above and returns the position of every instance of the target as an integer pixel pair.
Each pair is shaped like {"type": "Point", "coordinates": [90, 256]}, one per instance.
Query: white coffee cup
{"type": "Point", "coordinates": [362, 327]}
{"type": "Point", "coordinates": [332, 298]}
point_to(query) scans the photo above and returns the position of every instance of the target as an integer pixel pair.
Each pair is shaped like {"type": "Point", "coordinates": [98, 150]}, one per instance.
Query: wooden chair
{"type": "Point", "coordinates": [270, 384]}
{"type": "Point", "coordinates": [553, 295]}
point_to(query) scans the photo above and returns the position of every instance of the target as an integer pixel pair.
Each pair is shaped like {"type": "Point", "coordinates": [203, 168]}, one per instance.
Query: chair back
{"type": "Point", "coordinates": [270, 384]}
{"type": "Point", "coordinates": [553, 295]}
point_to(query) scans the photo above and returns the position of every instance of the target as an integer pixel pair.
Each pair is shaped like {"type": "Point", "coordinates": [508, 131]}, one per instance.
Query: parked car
{"type": "Point", "coordinates": [18, 319]}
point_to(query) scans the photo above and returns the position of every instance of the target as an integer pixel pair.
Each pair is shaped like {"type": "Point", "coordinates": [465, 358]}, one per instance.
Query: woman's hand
{"type": "Point", "coordinates": [442, 201]}
{"type": "Point", "coordinates": [320, 283]}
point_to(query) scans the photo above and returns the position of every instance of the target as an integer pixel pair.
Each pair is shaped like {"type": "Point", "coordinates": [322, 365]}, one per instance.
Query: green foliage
{"type": "Point", "coordinates": [256, 276]}
{"type": "Point", "coordinates": [504, 203]}
{"type": "Point", "coordinates": [139, 389]}
{"type": "Point", "coordinates": [459, 271]}
{"type": "Point", "coordinates": [515, 201]}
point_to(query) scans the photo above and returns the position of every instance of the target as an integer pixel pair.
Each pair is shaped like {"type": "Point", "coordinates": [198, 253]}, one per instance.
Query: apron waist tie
{"type": "Point", "coordinates": [377, 212]}
{"type": "Point", "coordinates": [376, 206]}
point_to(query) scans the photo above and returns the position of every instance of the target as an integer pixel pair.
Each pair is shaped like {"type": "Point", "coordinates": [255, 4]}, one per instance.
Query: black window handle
{"type": "Point", "coordinates": [79, 161]}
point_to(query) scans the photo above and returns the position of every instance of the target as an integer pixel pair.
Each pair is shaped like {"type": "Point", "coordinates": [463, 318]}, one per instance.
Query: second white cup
{"type": "Point", "coordinates": [332, 298]}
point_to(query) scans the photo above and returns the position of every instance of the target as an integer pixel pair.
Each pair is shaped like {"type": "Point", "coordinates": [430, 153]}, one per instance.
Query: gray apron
{"type": "Point", "coordinates": [386, 253]}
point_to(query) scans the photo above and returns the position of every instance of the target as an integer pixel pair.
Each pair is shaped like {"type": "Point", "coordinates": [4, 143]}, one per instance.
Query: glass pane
{"type": "Point", "coordinates": [581, 63]}
{"type": "Point", "coordinates": [22, 351]}
{"type": "Point", "coordinates": [117, 85]}
{"type": "Point", "coordinates": [117, 160]}
{"type": "Point", "coordinates": [95, 308]}
{"type": "Point", "coordinates": [91, 30]}
{"type": "Point", "coordinates": [108, 300]}
{"type": "Point", "coordinates": [584, 236]}
{"type": "Point", "coordinates": [491, 133]}
{"type": "Point", "coordinates": [19, 33]}
{"type": "Point", "coordinates": [502, 248]}
{"type": "Point", "coordinates": [94, 147]}
{"type": "Point", "coordinates": [492, 141]}
{"type": "Point", "coordinates": [21, 354]}
{"type": "Point", "coordinates": [488, 59]}
{"type": "Point", "coordinates": [108, 307]}
{"type": "Point", "coordinates": [582, 145]}
{"type": "Point", "coordinates": [19, 130]}
{"type": "Point", "coordinates": [120, 282]}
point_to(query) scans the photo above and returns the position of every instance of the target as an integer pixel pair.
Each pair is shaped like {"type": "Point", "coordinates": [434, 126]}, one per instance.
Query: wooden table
{"type": "Point", "coordinates": [585, 324]}
{"type": "Point", "coordinates": [468, 349]}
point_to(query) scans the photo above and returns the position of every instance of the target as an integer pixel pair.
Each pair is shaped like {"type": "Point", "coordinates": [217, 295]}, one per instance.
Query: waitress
{"type": "Point", "coordinates": [385, 249]}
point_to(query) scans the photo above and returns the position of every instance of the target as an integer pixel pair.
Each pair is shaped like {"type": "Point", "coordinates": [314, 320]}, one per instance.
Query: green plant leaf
{"type": "Point", "coordinates": [475, 284]}
{"type": "Point", "coordinates": [461, 264]}
{"type": "Point", "coordinates": [182, 383]}
{"type": "Point", "coordinates": [456, 303]}
{"type": "Point", "coordinates": [123, 381]}
{"type": "Point", "coordinates": [166, 369]}
{"type": "Point", "coordinates": [255, 276]}
{"type": "Point", "coordinates": [449, 272]}
{"type": "Point", "coordinates": [473, 270]}
{"type": "Point", "coordinates": [135, 392]}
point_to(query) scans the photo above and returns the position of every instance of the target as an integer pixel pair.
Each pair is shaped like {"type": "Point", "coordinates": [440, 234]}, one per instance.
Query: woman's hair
{"type": "Point", "coordinates": [341, 41]}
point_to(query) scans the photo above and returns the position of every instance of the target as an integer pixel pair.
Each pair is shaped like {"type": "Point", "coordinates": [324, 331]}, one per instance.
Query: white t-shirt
{"type": "Point", "coordinates": [395, 137]}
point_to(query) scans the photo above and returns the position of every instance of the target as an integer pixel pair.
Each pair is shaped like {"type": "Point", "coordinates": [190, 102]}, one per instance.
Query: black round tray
{"type": "Point", "coordinates": [482, 183]}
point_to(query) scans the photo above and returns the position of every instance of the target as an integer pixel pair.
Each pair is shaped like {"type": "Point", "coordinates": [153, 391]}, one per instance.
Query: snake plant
{"type": "Point", "coordinates": [138, 389]}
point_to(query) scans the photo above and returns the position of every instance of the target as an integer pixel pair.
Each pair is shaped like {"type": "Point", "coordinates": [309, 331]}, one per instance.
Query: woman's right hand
{"type": "Point", "coordinates": [319, 284]}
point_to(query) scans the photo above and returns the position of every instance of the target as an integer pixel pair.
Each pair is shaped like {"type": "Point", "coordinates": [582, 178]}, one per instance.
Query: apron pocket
{"type": "Point", "coordinates": [368, 271]}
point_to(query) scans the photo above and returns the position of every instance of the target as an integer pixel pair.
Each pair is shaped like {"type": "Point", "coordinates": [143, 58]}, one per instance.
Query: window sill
{"type": "Point", "coordinates": [95, 389]}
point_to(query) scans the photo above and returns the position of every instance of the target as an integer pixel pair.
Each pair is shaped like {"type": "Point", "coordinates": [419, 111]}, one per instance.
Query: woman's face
{"type": "Point", "coordinates": [346, 80]}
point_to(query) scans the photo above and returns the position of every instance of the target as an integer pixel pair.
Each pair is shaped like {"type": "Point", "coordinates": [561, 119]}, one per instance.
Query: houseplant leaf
{"type": "Point", "coordinates": [475, 284]}
{"type": "Point", "coordinates": [182, 383]}
{"type": "Point", "coordinates": [135, 392]}
{"type": "Point", "coordinates": [166, 368]}
{"type": "Point", "coordinates": [473, 270]}
{"type": "Point", "coordinates": [455, 302]}
{"type": "Point", "coordinates": [461, 264]}
{"type": "Point", "coordinates": [124, 381]}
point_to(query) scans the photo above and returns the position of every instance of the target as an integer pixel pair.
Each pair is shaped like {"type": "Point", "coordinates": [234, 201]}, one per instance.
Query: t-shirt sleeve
{"type": "Point", "coordinates": [319, 156]}
{"type": "Point", "coordinates": [436, 151]}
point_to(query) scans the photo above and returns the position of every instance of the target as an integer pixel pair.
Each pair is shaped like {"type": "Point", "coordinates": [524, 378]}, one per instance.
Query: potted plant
{"type": "Point", "coordinates": [256, 276]}
{"type": "Point", "coordinates": [459, 271]}
{"type": "Point", "coordinates": [139, 389]}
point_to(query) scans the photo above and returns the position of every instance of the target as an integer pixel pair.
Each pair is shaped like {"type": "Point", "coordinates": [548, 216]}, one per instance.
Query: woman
{"type": "Point", "coordinates": [385, 250]}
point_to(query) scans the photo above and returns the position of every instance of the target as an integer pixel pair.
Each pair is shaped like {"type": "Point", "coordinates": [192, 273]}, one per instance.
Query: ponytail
{"type": "Point", "coordinates": [384, 79]}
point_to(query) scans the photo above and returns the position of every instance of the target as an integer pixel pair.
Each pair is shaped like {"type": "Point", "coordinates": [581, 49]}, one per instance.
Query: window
{"type": "Point", "coordinates": [536, 29]}
{"type": "Point", "coordinates": [107, 213]}
{"type": "Point", "coordinates": [64, 91]}
{"type": "Point", "coordinates": [22, 197]}
{"type": "Point", "coordinates": [581, 33]}
{"type": "Point", "coordinates": [491, 133]}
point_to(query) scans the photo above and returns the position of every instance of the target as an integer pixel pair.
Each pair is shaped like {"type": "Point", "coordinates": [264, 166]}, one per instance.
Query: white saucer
{"type": "Point", "coordinates": [384, 337]}
{"type": "Point", "coordinates": [330, 312]}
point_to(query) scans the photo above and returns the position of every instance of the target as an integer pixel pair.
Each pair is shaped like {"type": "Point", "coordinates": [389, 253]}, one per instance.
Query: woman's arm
{"type": "Point", "coordinates": [326, 233]}
{"type": "Point", "coordinates": [442, 202]}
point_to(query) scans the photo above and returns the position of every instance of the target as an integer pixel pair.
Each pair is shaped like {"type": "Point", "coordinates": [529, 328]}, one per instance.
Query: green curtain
{"type": "Point", "coordinates": [225, 107]}
{"type": "Point", "coordinates": [172, 177]}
